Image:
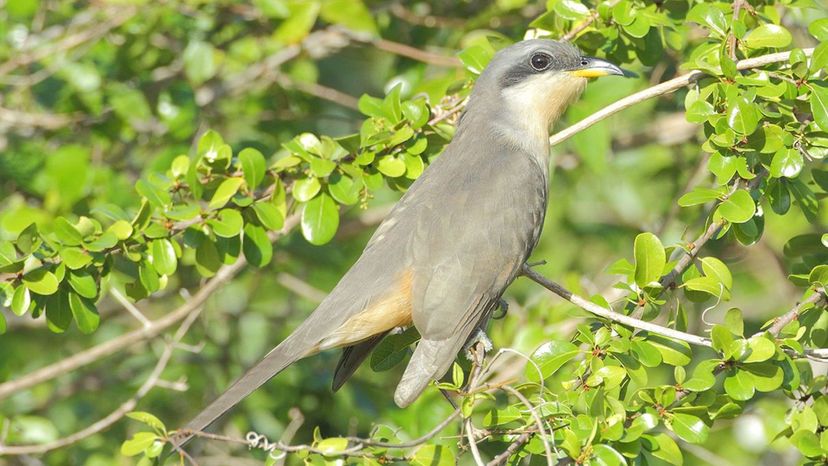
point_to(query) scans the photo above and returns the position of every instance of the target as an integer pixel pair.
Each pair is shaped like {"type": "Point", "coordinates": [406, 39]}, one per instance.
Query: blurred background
{"type": "Point", "coordinates": [96, 94]}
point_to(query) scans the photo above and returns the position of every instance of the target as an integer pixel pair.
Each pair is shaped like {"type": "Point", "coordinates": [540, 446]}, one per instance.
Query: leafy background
{"type": "Point", "coordinates": [149, 148]}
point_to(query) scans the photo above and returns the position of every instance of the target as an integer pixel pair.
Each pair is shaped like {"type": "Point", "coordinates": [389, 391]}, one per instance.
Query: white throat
{"type": "Point", "coordinates": [534, 105]}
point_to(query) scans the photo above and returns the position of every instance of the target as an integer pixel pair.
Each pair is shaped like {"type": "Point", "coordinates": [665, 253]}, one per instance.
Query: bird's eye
{"type": "Point", "coordinates": [540, 61]}
{"type": "Point", "coordinates": [584, 62]}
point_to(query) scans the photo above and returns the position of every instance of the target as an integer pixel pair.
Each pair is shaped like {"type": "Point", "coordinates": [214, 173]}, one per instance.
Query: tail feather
{"type": "Point", "coordinates": [351, 359]}
{"type": "Point", "coordinates": [274, 362]}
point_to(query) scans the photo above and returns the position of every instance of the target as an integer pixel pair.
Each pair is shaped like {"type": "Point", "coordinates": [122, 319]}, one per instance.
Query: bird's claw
{"type": "Point", "coordinates": [479, 337]}
{"type": "Point", "coordinates": [503, 308]}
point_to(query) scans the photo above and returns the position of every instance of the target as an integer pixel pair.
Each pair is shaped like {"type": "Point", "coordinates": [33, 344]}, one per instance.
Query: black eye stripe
{"type": "Point", "coordinates": [540, 61]}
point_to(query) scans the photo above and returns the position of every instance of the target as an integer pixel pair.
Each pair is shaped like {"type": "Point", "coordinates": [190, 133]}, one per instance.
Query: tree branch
{"type": "Point", "coordinates": [661, 89]}
{"type": "Point", "coordinates": [593, 308]}
{"type": "Point", "coordinates": [225, 274]}
{"type": "Point", "coordinates": [151, 382]}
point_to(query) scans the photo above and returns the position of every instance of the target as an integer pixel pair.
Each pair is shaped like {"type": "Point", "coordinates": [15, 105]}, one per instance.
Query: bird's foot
{"type": "Point", "coordinates": [527, 266]}
{"type": "Point", "coordinates": [479, 337]}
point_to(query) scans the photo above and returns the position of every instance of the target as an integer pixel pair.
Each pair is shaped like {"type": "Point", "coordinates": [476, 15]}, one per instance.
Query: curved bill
{"type": "Point", "coordinates": [595, 67]}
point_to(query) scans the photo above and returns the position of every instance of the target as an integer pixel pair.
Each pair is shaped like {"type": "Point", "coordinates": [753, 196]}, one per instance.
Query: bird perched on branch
{"type": "Point", "coordinates": [444, 255]}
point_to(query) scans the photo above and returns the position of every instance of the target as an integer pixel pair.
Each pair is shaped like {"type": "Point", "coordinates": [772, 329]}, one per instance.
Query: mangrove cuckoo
{"type": "Point", "coordinates": [444, 255]}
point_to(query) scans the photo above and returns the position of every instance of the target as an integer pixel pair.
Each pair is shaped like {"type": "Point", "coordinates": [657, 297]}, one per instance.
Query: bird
{"type": "Point", "coordinates": [457, 238]}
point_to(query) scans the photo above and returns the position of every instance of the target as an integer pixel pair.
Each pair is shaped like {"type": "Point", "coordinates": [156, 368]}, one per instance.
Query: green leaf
{"type": "Point", "coordinates": [819, 274]}
{"type": "Point", "coordinates": [253, 166]}
{"type": "Point", "coordinates": [83, 284]}
{"type": "Point", "coordinates": [715, 268]}
{"type": "Point", "coordinates": [139, 442]}
{"type": "Point", "coordinates": [609, 376]}
{"type": "Point", "coordinates": [605, 455]}
{"type": "Point", "coordinates": [85, 314]}
{"type": "Point", "coordinates": [807, 443]}
{"type": "Point", "coordinates": [41, 281]}
{"type": "Point", "coordinates": [226, 190]}
{"type": "Point", "coordinates": [675, 353]}
{"type": "Point", "coordinates": [416, 112]}
{"type": "Point", "coordinates": [739, 385]}
{"type": "Point", "coordinates": [689, 428]}
{"type": "Point", "coordinates": [476, 57]}
{"type": "Point", "coordinates": [549, 357]}
{"type": "Point", "coordinates": [148, 278]}
{"type": "Point", "coordinates": [320, 219]}
{"type": "Point", "coordinates": [121, 229]}
{"type": "Point", "coordinates": [21, 300]}
{"type": "Point", "coordinates": [819, 29]}
{"type": "Point", "coordinates": [344, 189]}
{"type": "Point", "coordinates": [742, 116]}
{"type": "Point", "coordinates": [67, 233]}
{"type": "Point", "coordinates": [269, 215]}
{"type": "Point", "coordinates": [650, 259]}
{"type": "Point", "coordinates": [180, 166]}
{"type": "Point", "coordinates": [761, 349]}
{"type": "Point", "coordinates": [164, 259]}
{"type": "Point", "coordinates": [74, 258]}
{"type": "Point", "coordinates": [305, 189]}
{"type": "Point", "coordinates": [58, 314]}
{"type": "Point", "coordinates": [570, 9]}
{"type": "Point", "coordinates": [28, 240]}
{"type": "Point", "coordinates": [767, 35]}
{"type": "Point", "coordinates": [819, 106]}
{"type": "Point", "coordinates": [257, 246]}
{"type": "Point", "coordinates": [332, 446]}
{"type": "Point", "coordinates": [738, 208]}
{"type": "Point", "coordinates": [665, 448]}
{"type": "Point", "coordinates": [703, 377]}
{"type": "Point", "coordinates": [148, 419]}
{"type": "Point", "coordinates": [699, 196]}
{"type": "Point", "coordinates": [228, 223]}
{"type": "Point", "coordinates": [733, 321]}
{"type": "Point", "coordinates": [499, 417]}
{"type": "Point", "coordinates": [708, 15]}
{"type": "Point", "coordinates": [392, 349]}
{"type": "Point", "coordinates": [207, 258]}
{"type": "Point", "coordinates": [767, 376]}
{"type": "Point", "coordinates": [646, 353]}
{"type": "Point", "coordinates": [156, 196]}
{"type": "Point", "coordinates": [433, 455]}
{"type": "Point", "coordinates": [722, 339]}
{"type": "Point", "coordinates": [391, 166]}
{"type": "Point", "coordinates": [786, 162]}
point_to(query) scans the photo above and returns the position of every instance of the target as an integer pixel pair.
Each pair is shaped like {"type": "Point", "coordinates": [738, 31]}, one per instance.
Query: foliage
{"type": "Point", "coordinates": [109, 195]}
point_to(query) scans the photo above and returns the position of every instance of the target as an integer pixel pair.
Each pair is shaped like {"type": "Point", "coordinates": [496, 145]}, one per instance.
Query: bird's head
{"type": "Point", "coordinates": [528, 85]}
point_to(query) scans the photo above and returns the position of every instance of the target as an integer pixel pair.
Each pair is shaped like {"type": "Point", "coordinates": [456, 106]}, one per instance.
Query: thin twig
{"type": "Point", "coordinates": [538, 422]}
{"type": "Point", "coordinates": [131, 308]}
{"type": "Point", "coordinates": [580, 27]}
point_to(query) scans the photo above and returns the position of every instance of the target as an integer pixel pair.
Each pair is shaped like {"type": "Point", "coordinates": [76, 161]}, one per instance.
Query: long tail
{"type": "Point", "coordinates": [285, 354]}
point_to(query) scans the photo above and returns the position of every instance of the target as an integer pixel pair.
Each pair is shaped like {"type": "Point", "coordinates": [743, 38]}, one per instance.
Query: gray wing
{"type": "Point", "coordinates": [476, 227]}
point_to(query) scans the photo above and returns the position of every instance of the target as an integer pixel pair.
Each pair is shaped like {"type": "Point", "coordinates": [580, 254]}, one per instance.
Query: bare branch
{"type": "Point", "coordinates": [593, 308]}
{"type": "Point", "coordinates": [125, 407]}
